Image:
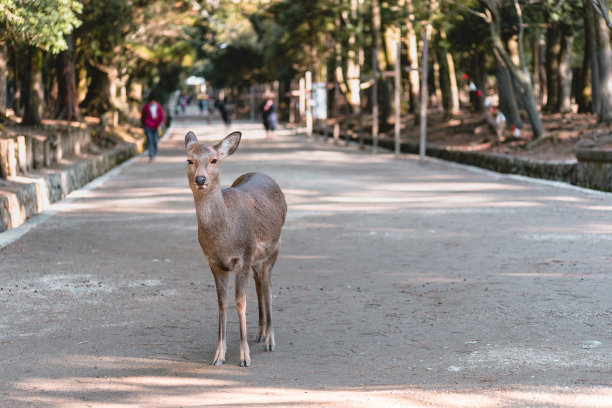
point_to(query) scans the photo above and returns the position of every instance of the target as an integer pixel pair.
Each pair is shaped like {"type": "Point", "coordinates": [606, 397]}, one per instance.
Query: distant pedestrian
{"type": "Point", "coordinates": [152, 117]}
{"type": "Point", "coordinates": [224, 109]}
{"type": "Point", "coordinates": [210, 110]}
{"type": "Point", "coordinates": [268, 112]}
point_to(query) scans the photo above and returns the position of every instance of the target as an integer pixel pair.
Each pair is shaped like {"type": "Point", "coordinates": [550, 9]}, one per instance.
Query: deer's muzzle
{"type": "Point", "coordinates": [200, 180]}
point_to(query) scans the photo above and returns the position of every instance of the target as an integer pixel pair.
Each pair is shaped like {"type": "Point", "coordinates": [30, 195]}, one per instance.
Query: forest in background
{"type": "Point", "coordinates": [70, 58]}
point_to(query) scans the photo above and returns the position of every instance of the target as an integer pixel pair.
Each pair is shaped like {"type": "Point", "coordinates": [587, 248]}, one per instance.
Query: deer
{"type": "Point", "coordinates": [239, 230]}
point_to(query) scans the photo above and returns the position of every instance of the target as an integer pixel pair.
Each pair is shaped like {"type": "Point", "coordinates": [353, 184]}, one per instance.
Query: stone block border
{"type": "Point", "coordinates": [592, 170]}
{"type": "Point", "coordinates": [37, 193]}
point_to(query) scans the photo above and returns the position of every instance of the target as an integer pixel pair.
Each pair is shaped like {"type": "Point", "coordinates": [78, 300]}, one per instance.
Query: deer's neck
{"type": "Point", "coordinates": [211, 211]}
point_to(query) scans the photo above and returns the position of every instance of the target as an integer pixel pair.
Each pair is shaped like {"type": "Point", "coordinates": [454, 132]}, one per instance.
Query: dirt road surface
{"type": "Point", "coordinates": [398, 285]}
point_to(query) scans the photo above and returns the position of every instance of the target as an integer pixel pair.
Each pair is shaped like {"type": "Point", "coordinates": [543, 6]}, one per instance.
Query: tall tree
{"type": "Point", "coordinates": [410, 41]}
{"type": "Point", "coordinates": [604, 60]}
{"type": "Point", "coordinates": [519, 72]}
{"type": "Point", "coordinates": [565, 69]}
{"type": "Point", "coordinates": [41, 24]}
{"type": "Point", "coordinates": [67, 103]}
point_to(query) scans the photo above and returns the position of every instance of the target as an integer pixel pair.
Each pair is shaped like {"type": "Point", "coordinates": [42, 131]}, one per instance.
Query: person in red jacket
{"type": "Point", "coordinates": [152, 117]}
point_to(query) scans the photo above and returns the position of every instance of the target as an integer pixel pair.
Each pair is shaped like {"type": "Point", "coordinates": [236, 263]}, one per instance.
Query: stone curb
{"type": "Point", "coordinates": [556, 171]}
{"type": "Point", "coordinates": [38, 193]}
{"type": "Point", "coordinates": [593, 169]}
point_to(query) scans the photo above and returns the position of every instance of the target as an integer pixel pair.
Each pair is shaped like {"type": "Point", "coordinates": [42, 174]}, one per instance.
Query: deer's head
{"type": "Point", "coordinates": [203, 160]}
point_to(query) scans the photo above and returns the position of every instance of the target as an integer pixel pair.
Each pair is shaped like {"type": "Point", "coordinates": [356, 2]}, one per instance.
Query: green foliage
{"type": "Point", "coordinates": [41, 23]}
{"type": "Point", "coordinates": [237, 64]}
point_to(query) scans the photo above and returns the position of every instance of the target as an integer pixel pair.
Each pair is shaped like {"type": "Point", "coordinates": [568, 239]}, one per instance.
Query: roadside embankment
{"type": "Point", "coordinates": [31, 189]}
{"type": "Point", "coordinates": [593, 168]}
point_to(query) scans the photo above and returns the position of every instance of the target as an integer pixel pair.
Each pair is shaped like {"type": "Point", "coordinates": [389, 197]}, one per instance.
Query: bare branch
{"type": "Point", "coordinates": [480, 14]}
{"type": "Point", "coordinates": [558, 6]}
{"type": "Point", "coordinates": [519, 13]}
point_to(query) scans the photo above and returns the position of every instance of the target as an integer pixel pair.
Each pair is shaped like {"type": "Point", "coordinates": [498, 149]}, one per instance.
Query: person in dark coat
{"type": "Point", "coordinates": [268, 112]}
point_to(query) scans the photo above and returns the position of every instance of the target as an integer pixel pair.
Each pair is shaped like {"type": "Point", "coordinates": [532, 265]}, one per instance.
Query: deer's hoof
{"type": "Point", "coordinates": [270, 348]}
{"type": "Point", "coordinates": [245, 363]}
{"type": "Point", "coordinates": [218, 362]}
{"type": "Point", "coordinates": [260, 339]}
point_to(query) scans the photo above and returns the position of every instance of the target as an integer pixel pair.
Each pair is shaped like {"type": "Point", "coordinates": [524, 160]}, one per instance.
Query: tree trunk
{"type": "Point", "coordinates": [353, 68]}
{"type": "Point", "coordinates": [437, 82]}
{"type": "Point", "coordinates": [604, 114]}
{"type": "Point", "coordinates": [591, 38]}
{"type": "Point", "coordinates": [413, 59]}
{"type": "Point", "coordinates": [520, 76]}
{"type": "Point", "coordinates": [19, 79]}
{"type": "Point", "coordinates": [67, 105]}
{"type": "Point", "coordinates": [338, 68]}
{"type": "Point", "coordinates": [443, 78]}
{"type": "Point", "coordinates": [3, 61]}
{"type": "Point", "coordinates": [507, 99]}
{"type": "Point", "coordinates": [453, 108]}
{"type": "Point", "coordinates": [565, 70]}
{"type": "Point", "coordinates": [98, 99]}
{"type": "Point", "coordinates": [391, 38]}
{"type": "Point", "coordinates": [35, 95]}
{"type": "Point", "coordinates": [478, 70]}
{"type": "Point", "coordinates": [553, 52]}
{"type": "Point", "coordinates": [384, 93]}
{"type": "Point", "coordinates": [82, 79]}
{"type": "Point", "coordinates": [585, 90]}
{"type": "Point", "coordinates": [535, 64]}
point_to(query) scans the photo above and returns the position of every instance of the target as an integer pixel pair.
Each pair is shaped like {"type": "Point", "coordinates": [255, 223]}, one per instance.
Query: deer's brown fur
{"type": "Point", "coordinates": [238, 229]}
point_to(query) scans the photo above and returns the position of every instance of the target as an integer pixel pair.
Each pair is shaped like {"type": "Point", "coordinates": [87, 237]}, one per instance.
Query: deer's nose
{"type": "Point", "coordinates": [200, 180]}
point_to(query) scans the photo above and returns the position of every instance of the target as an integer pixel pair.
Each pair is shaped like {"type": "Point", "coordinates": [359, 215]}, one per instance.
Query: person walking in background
{"type": "Point", "coordinates": [268, 111]}
{"type": "Point", "coordinates": [222, 105]}
{"type": "Point", "coordinates": [152, 117]}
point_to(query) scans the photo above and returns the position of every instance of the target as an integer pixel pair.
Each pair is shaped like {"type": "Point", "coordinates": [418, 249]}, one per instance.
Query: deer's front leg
{"type": "Point", "coordinates": [242, 278]}
{"type": "Point", "coordinates": [221, 278]}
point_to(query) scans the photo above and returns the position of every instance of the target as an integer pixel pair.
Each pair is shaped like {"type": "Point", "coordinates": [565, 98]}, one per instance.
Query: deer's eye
{"type": "Point", "coordinates": [213, 161]}
{"type": "Point", "coordinates": [189, 161]}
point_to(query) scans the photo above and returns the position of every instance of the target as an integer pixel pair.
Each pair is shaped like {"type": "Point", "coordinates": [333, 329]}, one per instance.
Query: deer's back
{"type": "Point", "coordinates": [263, 201]}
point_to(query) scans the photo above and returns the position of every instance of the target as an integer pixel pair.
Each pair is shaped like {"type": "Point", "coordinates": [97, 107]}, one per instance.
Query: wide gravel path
{"type": "Point", "coordinates": [398, 285]}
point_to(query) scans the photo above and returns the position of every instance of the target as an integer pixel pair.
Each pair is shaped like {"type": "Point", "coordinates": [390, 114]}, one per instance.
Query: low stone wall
{"type": "Point", "coordinates": [28, 196]}
{"type": "Point", "coordinates": [593, 169]}
{"type": "Point", "coordinates": [23, 153]}
{"type": "Point", "coordinates": [557, 171]}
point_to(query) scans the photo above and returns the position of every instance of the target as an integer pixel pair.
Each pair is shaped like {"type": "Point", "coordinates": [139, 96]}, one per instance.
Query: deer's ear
{"type": "Point", "coordinates": [229, 144]}
{"type": "Point", "coordinates": [190, 140]}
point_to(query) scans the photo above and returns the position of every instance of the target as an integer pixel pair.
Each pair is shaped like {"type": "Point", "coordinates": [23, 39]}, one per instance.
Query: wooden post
{"type": "Point", "coordinates": [308, 101]}
{"type": "Point", "coordinates": [302, 99]}
{"type": "Point", "coordinates": [397, 75]}
{"type": "Point", "coordinates": [375, 101]}
{"type": "Point", "coordinates": [48, 159]}
{"type": "Point", "coordinates": [336, 131]}
{"type": "Point", "coordinates": [22, 154]}
{"type": "Point", "coordinates": [360, 127]}
{"type": "Point", "coordinates": [8, 162]}
{"type": "Point", "coordinates": [292, 110]}
{"type": "Point", "coordinates": [29, 142]}
{"type": "Point", "coordinates": [252, 100]}
{"type": "Point", "coordinates": [38, 152]}
{"type": "Point", "coordinates": [4, 166]}
{"type": "Point", "coordinates": [424, 94]}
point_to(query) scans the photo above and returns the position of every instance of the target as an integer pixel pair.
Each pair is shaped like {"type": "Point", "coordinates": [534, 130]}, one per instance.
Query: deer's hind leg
{"type": "Point", "coordinates": [266, 289]}
{"type": "Point", "coordinates": [242, 278]}
{"type": "Point", "coordinates": [261, 329]}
